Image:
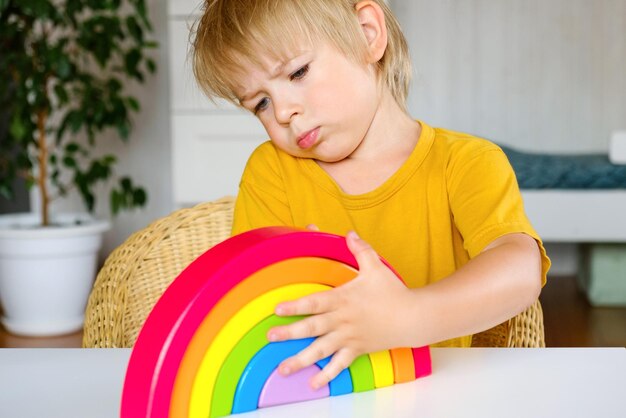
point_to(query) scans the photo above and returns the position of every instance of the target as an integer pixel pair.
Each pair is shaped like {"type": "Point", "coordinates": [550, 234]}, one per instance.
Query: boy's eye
{"type": "Point", "coordinates": [263, 103]}
{"type": "Point", "coordinates": [299, 73]}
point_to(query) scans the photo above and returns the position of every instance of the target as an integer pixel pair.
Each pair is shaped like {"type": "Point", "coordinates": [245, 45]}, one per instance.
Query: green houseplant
{"type": "Point", "coordinates": [64, 65]}
{"type": "Point", "coordinates": [65, 68]}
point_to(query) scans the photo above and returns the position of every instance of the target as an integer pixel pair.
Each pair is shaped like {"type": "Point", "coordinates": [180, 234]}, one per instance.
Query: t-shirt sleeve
{"type": "Point", "coordinates": [485, 199]}
{"type": "Point", "coordinates": [261, 200]}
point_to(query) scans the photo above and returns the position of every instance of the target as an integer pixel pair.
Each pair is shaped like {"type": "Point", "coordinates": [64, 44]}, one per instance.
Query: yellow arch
{"type": "Point", "coordinates": [382, 367]}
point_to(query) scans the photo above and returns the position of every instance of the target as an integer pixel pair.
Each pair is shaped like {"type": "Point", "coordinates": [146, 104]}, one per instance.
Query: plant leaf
{"type": "Point", "coordinates": [139, 197]}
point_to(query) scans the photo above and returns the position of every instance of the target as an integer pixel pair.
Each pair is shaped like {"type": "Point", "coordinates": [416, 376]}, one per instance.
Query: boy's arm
{"type": "Point", "coordinates": [375, 311]}
{"type": "Point", "coordinates": [502, 281]}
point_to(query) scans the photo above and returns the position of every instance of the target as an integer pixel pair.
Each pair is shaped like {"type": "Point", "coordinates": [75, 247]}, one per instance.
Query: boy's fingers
{"type": "Point", "coordinates": [365, 255]}
{"type": "Point", "coordinates": [340, 361]}
{"type": "Point", "coordinates": [316, 351]}
{"type": "Point", "coordinates": [313, 326]}
{"type": "Point", "coordinates": [312, 227]}
{"type": "Point", "coordinates": [315, 303]}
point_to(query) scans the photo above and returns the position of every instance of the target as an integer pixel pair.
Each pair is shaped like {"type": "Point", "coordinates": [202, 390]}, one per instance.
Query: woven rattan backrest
{"type": "Point", "coordinates": [137, 273]}
{"type": "Point", "coordinates": [523, 330]}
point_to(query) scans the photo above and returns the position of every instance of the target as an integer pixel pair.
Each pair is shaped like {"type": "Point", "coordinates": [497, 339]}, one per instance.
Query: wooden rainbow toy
{"type": "Point", "coordinates": [203, 350]}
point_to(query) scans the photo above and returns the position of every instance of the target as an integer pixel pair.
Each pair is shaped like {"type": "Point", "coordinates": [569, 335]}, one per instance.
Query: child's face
{"type": "Point", "coordinates": [317, 104]}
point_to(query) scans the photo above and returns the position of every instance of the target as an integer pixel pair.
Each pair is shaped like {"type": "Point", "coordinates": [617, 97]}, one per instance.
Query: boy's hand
{"type": "Point", "coordinates": [353, 319]}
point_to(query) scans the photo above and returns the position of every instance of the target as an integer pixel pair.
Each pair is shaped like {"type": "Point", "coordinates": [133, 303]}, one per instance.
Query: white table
{"type": "Point", "coordinates": [565, 382]}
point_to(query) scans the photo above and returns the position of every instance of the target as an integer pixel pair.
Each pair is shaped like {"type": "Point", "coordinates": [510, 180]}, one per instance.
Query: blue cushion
{"type": "Point", "coordinates": [561, 171]}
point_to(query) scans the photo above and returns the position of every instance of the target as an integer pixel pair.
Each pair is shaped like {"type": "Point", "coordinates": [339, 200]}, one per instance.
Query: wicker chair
{"type": "Point", "coordinates": [136, 274]}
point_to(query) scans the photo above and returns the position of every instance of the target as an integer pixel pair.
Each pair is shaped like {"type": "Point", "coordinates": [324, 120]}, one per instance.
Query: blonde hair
{"type": "Point", "coordinates": [231, 29]}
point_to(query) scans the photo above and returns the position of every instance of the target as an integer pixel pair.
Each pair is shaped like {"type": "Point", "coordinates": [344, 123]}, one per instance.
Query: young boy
{"type": "Point", "coordinates": [328, 80]}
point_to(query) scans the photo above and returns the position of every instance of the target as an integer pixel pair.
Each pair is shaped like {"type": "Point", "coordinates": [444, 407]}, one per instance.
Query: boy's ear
{"type": "Point", "coordinates": [372, 20]}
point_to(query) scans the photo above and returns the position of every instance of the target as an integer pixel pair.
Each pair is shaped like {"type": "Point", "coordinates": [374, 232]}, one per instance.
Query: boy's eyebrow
{"type": "Point", "coordinates": [245, 97]}
{"type": "Point", "coordinates": [277, 71]}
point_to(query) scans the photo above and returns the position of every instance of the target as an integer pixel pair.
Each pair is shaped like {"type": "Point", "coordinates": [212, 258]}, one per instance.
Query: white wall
{"type": "Point", "coordinates": [544, 75]}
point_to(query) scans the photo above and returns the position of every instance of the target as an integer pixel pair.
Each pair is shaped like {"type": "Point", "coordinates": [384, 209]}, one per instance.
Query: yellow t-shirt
{"type": "Point", "coordinates": [454, 195]}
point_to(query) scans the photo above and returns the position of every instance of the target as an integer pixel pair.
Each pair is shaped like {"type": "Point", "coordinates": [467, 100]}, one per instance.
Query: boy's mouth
{"type": "Point", "coordinates": [308, 139]}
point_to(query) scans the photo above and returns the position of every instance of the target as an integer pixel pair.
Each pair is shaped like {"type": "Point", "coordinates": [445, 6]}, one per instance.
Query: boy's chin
{"type": "Point", "coordinates": [324, 159]}
{"type": "Point", "coordinates": [331, 160]}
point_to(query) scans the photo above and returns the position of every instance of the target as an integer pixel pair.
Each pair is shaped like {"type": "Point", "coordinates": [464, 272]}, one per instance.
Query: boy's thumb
{"type": "Point", "coordinates": [365, 255]}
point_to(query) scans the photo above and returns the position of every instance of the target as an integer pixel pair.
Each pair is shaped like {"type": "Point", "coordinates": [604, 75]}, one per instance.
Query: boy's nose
{"type": "Point", "coordinates": [285, 110]}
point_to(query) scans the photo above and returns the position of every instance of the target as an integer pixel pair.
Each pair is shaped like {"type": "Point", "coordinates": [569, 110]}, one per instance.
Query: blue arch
{"type": "Point", "coordinates": [262, 365]}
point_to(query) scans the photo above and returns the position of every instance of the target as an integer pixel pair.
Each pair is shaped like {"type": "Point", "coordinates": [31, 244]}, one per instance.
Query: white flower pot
{"type": "Point", "coordinates": [46, 274]}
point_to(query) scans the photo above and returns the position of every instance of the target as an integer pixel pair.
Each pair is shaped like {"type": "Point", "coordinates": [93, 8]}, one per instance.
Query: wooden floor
{"type": "Point", "coordinates": [64, 341]}
{"type": "Point", "coordinates": [569, 322]}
